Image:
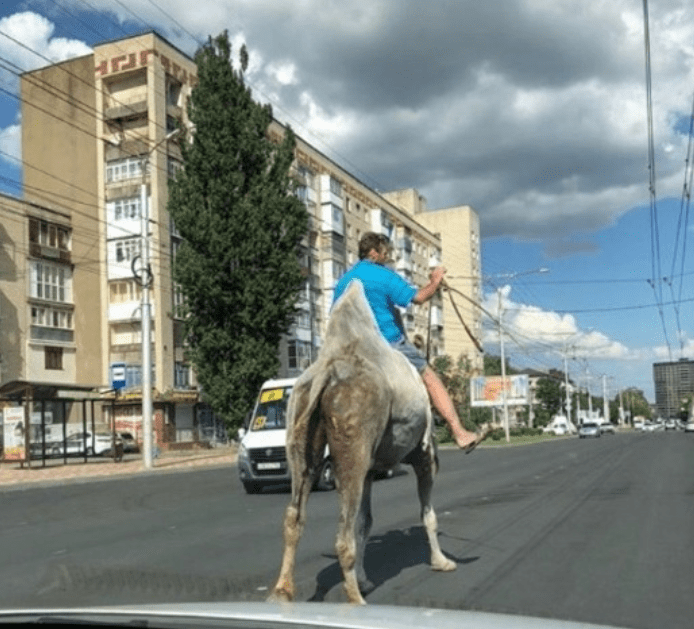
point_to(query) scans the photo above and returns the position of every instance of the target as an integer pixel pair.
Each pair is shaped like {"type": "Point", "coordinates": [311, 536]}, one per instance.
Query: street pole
{"type": "Point", "coordinates": [146, 323]}
{"type": "Point", "coordinates": [503, 371]}
{"type": "Point", "coordinates": [605, 403]}
{"type": "Point", "coordinates": [566, 385]}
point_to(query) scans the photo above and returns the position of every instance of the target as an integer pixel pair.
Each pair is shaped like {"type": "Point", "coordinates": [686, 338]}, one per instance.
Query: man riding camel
{"type": "Point", "coordinates": [386, 290]}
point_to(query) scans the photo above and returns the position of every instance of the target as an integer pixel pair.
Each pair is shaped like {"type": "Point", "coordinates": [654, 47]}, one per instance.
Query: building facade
{"type": "Point", "coordinates": [673, 382]}
{"type": "Point", "coordinates": [97, 136]}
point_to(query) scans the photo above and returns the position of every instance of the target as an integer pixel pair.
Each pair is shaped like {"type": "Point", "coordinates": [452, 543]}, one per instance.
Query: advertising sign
{"type": "Point", "coordinates": [14, 433]}
{"type": "Point", "coordinates": [489, 390]}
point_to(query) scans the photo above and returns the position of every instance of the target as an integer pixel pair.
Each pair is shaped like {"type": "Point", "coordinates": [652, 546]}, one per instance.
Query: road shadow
{"type": "Point", "coordinates": [385, 557]}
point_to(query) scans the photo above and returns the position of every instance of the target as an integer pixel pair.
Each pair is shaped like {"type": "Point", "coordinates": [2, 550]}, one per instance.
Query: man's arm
{"type": "Point", "coordinates": [427, 292]}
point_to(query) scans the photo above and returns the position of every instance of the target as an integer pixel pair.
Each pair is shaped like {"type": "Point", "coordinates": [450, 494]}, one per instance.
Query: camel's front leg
{"type": "Point", "coordinates": [363, 528]}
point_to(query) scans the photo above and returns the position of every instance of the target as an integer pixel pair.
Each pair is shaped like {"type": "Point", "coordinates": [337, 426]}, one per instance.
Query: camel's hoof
{"type": "Point", "coordinates": [280, 596]}
{"type": "Point", "coordinates": [445, 565]}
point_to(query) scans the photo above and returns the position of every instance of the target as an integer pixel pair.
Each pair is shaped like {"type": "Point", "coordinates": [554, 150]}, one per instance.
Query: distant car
{"type": "Point", "coordinates": [689, 427]}
{"type": "Point", "coordinates": [648, 427]}
{"type": "Point", "coordinates": [670, 424]}
{"type": "Point", "coordinates": [589, 429]}
{"type": "Point", "coordinates": [607, 428]}
{"type": "Point", "coordinates": [129, 442]}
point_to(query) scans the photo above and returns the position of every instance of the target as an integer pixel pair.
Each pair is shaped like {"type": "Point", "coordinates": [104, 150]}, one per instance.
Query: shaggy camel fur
{"type": "Point", "coordinates": [368, 402]}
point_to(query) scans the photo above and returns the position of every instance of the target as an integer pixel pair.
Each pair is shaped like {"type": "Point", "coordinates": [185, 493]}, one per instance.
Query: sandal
{"type": "Point", "coordinates": [481, 436]}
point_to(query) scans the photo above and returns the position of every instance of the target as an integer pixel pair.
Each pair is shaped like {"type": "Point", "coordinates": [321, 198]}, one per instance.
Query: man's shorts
{"type": "Point", "coordinates": [411, 353]}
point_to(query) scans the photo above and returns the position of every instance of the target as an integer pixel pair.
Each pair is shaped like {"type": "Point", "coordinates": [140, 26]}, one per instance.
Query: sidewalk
{"type": "Point", "coordinates": [76, 470]}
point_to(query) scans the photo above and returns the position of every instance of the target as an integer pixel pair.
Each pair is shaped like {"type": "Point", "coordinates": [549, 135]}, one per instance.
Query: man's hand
{"type": "Point", "coordinates": [427, 292]}
{"type": "Point", "coordinates": [436, 276]}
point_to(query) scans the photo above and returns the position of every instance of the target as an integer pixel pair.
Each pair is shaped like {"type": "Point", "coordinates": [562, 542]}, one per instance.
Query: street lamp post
{"type": "Point", "coordinates": [504, 396]}
{"type": "Point", "coordinates": [146, 322]}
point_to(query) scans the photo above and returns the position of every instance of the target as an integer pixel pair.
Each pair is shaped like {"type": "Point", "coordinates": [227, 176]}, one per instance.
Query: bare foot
{"type": "Point", "coordinates": [468, 441]}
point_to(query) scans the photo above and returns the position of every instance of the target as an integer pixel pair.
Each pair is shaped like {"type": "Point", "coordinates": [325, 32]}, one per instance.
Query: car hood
{"type": "Point", "coordinates": [292, 615]}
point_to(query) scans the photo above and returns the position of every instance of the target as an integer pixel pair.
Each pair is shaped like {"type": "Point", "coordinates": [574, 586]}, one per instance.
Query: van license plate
{"type": "Point", "coordinates": [273, 465]}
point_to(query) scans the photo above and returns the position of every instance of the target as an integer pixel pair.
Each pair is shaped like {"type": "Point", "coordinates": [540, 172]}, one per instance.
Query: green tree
{"type": "Point", "coordinates": [549, 399]}
{"type": "Point", "coordinates": [233, 204]}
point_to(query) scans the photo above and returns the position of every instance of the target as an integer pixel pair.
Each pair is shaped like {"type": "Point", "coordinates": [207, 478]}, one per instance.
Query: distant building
{"type": "Point", "coordinates": [673, 381]}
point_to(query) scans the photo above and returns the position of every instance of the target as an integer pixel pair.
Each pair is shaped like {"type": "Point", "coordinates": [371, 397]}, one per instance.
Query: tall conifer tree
{"type": "Point", "coordinates": [238, 265]}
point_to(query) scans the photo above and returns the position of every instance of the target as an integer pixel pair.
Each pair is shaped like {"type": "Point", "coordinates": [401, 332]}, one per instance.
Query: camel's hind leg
{"type": "Point", "coordinates": [294, 521]}
{"type": "Point", "coordinates": [425, 466]}
{"type": "Point", "coordinates": [304, 449]}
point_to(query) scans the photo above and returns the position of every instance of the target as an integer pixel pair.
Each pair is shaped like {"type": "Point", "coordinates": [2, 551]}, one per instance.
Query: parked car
{"type": "Point", "coordinates": [129, 442]}
{"type": "Point", "coordinates": [80, 443]}
{"type": "Point", "coordinates": [589, 429]}
{"type": "Point", "coordinates": [607, 428]}
{"type": "Point", "coordinates": [689, 427]}
{"type": "Point", "coordinates": [670, 424]}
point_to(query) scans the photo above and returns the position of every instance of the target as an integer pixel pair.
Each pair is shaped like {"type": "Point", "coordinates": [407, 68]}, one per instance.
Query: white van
{"type": "Point", "coordinates": [262, 457]}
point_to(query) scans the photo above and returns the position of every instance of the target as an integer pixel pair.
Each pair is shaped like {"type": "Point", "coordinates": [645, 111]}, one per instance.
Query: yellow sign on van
{"type": "Point", "coordinates": [271, 395]}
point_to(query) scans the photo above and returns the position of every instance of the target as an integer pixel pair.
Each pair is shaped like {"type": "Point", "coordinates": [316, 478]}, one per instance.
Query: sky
{"type": "Point", "coordinates": [533, 112]}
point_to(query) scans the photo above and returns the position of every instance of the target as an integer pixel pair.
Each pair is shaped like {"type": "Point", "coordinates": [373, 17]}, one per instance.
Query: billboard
{"type": "Point", "coordinates": [14, 433]}
{"type": "Point", "coordinates": [489, 390]}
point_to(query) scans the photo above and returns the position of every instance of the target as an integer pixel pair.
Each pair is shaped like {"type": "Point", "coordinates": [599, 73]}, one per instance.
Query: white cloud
{"type": "Point", "coordinates": [37, 45]}
{"type": "Point", "coordinates": [529, 327]}
{"type": "Point", "coordinates": [11, 143]}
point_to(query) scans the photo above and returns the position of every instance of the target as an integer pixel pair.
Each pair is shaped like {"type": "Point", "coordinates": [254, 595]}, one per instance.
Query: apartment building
{"type": "Point", "coordinates": [48, 352]}
{"type": "Point", "coordinates": [90, 125]}
{"type": "Point", "coordinates": [673, 381]}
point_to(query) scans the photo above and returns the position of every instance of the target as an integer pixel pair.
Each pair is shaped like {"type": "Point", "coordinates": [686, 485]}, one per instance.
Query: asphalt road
{"type": "Point", "coordinates": [589, 530]}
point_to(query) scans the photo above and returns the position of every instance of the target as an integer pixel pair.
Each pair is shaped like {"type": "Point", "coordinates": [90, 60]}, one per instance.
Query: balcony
{"type": "Point", "coordinates": [124, 112]}
{"type": "Point", "coordinates": [50, 253]}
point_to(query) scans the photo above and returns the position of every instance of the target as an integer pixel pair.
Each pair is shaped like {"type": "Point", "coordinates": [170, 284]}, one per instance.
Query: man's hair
{"type": "Point", "coordinates": [372, 240]}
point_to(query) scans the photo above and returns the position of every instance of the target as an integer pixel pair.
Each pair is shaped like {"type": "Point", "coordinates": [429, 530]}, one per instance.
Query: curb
{"type": "Point", "coordinates": [79, 473]}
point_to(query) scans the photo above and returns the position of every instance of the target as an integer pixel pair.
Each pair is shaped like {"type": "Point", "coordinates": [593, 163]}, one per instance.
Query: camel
{"type": "Point", "coordinates": [370, 405]}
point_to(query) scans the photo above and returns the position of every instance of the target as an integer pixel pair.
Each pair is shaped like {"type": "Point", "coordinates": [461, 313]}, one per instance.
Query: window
{"type": "Point", "coordinates": [308, 175]}
{"type": "Point", "coordinates": [301, 193]}
{"type": "Point", "coordinates": [49, 234]}
{"type": "Point", "coordinates": [303, 320]}
{"type": "Point", "coordinates": [172, 167]}
{"type": "Point", "coordinates": [53, 358]}
{"type": "Point", "coordinates": [127, 249]}
{"type": "Point", "coordinates": [51, 317]}
{"type": "Point", "coordinates": [181, 376]}
{"type": "Point", "coordinates": [335, 187]}
{"type": "Point", "coordinates": [124, 291]}
{"type": "Point", "coordinates": [299, 352]}
{"type": "Point", "coordinates": [173, 93]}
{"type": "Point", "coordinates": [50, 281]}
{"type": "Point", "coordinates": [120, 169]}
{"type": "Point", "coordinates": [125, 209]}
{"type": "Point", "coordinates": [338, 270]}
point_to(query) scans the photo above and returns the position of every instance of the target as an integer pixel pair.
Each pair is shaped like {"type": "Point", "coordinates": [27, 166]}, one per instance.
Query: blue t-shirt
{"type": "Point", "coordinates": [384, 290]}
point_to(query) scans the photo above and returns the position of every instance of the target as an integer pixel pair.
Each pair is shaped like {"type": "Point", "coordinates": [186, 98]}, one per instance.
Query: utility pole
{"type": "Point", "coordinates": [501, 347]}
{"type": "Point", "coordinates": [503, 370]}
{"type": "Point", "coordinates": [605, 403]}
{"type": "Point", "coordinates": [146, 322]}
{"type": "Point", "coordinates": [566, 384]}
